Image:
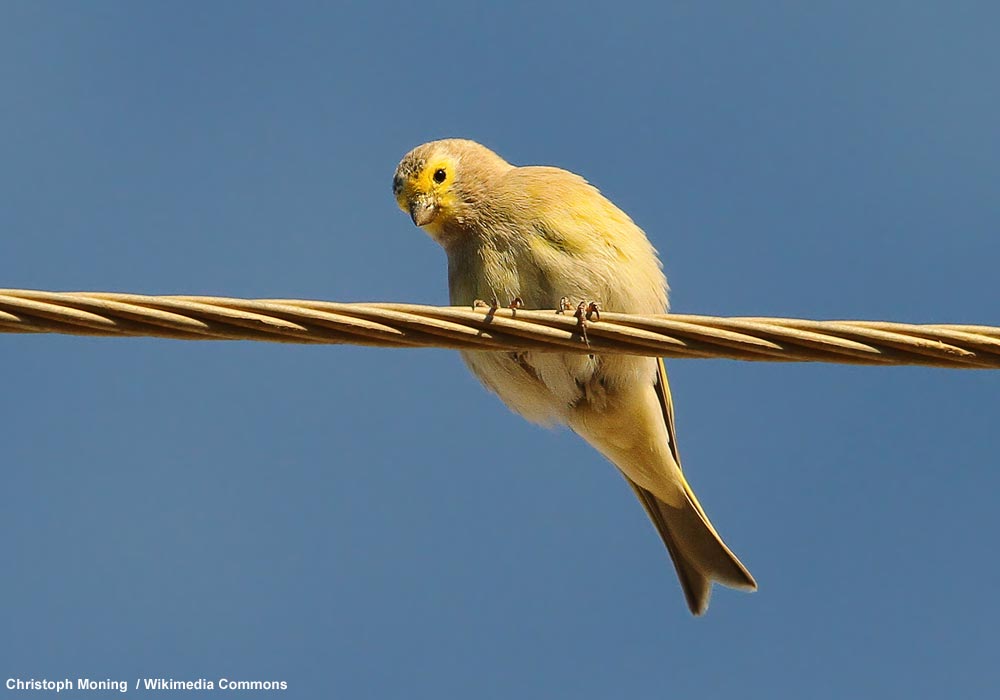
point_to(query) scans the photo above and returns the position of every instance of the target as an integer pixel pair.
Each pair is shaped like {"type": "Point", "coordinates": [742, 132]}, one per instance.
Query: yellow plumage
{"type": "Point", "coordinates": [541, 234]}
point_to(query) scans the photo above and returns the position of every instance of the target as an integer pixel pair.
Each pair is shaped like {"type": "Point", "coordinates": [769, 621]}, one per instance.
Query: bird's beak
{"type": "Point", "coordinates": [422, 211]}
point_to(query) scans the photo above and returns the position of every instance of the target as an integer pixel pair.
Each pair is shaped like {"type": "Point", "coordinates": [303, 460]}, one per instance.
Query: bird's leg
{"type": "Point", "coordinates": [581, 316]}
{"type": "Point", "coordinates": [515, 304]}
{"type": "Point", "coordinates": [584, 312]}
{"type": "Point", "coordinates": [564, 305]}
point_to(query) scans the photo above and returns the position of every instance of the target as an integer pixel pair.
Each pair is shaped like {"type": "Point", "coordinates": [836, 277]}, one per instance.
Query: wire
{"type": "Point", "coordinates": [502, 329]}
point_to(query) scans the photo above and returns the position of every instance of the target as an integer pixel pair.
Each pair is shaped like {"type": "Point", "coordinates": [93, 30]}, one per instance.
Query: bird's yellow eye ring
{"type": "Point", "coordinates": [440, 175]}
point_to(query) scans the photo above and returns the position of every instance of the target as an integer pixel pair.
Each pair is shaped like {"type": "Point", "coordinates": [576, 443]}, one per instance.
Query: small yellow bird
{"type": "Point", "coordinates": [539, 234]}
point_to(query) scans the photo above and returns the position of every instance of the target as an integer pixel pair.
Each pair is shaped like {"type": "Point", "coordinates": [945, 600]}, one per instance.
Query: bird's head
{"type": "Point", "coordinates": [441, 184]}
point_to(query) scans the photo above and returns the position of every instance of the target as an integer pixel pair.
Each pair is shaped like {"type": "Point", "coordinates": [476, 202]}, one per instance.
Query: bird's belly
{"type": "Point", "coordinates": [541, 387]}
{"type": "Point", "coordinates": [547, 388]}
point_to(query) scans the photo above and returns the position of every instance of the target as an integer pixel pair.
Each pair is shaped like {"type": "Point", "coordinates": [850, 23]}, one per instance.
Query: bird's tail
{"type": "Point", "coordinates": [637, 434]}
{"type": "Point", "coordinates": [699, 554]}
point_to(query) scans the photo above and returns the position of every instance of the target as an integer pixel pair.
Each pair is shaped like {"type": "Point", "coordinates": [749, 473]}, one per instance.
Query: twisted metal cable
{"type": "Point", "coordinates": [410, 325]}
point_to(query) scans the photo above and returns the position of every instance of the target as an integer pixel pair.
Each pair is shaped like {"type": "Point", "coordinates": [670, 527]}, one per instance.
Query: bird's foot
{"type": "Point", "coordinates": [585, 311]}
{"type": "Point", "coordinates": [493, 305]}
{"type": "Point", "coordinates": [515, 304]}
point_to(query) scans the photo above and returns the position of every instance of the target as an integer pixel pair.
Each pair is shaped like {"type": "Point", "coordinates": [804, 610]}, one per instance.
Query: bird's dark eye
{"type": "Point", "coordinates": [440, 175]}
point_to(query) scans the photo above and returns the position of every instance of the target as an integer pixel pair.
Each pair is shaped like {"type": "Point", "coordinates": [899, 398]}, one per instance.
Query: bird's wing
{"type": "Point", "coordinates": [667, 406]}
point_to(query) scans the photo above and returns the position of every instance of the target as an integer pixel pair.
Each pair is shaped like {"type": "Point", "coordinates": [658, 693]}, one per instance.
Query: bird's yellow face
{"type": "Point", "coordinates": [424, 188]}
{"type": "Point", "coordinates": [447, 185]}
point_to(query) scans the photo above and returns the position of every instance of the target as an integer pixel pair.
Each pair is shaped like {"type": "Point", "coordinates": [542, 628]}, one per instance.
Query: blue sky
{"type": "Point", "coordinates": [371, 523]}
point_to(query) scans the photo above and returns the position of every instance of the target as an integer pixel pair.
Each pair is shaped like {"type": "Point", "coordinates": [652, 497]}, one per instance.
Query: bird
{"type": "Point", "coordinates": [537, 236]}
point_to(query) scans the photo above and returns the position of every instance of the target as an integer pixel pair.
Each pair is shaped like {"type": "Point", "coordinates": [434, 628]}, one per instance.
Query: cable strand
{"type": "Point", "coordinates": [107, 314]}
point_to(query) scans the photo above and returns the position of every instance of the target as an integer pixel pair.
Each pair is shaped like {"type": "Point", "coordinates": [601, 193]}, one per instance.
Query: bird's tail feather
{"type": "Point", "coordinates": [698, 553]}
{"type": "Point", "coordinates": [646, 454]}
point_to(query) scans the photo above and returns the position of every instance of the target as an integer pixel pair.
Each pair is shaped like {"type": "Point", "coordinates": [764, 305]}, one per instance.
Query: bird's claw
{"type": "Point", "coordinates": [588, 310]}
{"type": "Point", "coordinates": [585, 309]}
{"type": "Point", "coordinates": [515, 303]}
{"type": "Point", "coordinates": [584, 312]}
{"type": "Point", "coordinates": [480, 304]}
